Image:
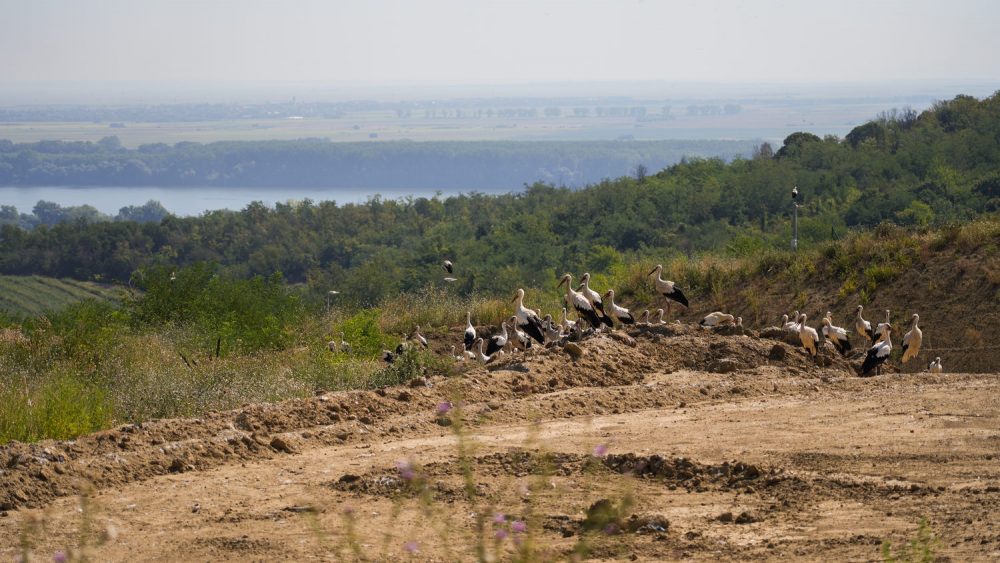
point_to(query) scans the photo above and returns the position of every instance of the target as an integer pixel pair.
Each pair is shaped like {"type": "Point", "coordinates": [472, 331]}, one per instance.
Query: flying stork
{"type": "Point", "coordinates": [620, 313]}
{"type": "Point", "coordinates": [527, 319]}
{"type": "Point", "coordinates": [667, 288]}
{"type": "Point", "coordinates": [448, 267]}
{"type": "Point", "coordinates": [878, 353]}
{"type": "Point", "coordinates": [581, 304]}
{"type": "Point", "coordinates": [911, 340]}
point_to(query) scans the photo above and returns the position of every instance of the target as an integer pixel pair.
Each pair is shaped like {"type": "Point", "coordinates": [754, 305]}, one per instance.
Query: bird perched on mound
{"type": "Point", "coordinates": [716, 319]}
{"type": "Point", "coordinates": [621, 314]}
{"type": "Point", "coordinates": [863, 327]}
{"type": "Point", "coordinates": [667, 288]}
{"type": "Point", "coordinates": [470, 332]}
{"type": "Point", "coordinates": [837, 336]}
{"type": "Point", "coordinates": [527, 319]}
{"type": "Point", "coordinates": [808, 336]}
{"type": "Point", "coordinates": [878, 354]}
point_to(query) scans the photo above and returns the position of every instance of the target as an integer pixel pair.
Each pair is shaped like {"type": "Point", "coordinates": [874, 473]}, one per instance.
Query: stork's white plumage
{"type": "Point", "coordinates": [594, 298]}
{"type": "Point", "coordinates": [344, 346]}
{"type": "Point", "coordinates": [793, 325]}
{"type": "Point", "coordinates": [622, 314]}
{"type": "Point", "coordinates": [567, 324]}
{"type": "Point", "coordinates": [912, 340]}
{"type": "Point", "coordinates": [470, 331]}
{"type": "Point", "coordinates": [667, 288]}
{"type": "Point", "coordinates": [419, 337]}
{"type": "Point", "coordinates": [643, 318]}
{"type": "Point", "coordinates": [808, 336]}
{"type": "Point", "coordinates": [863, 327]}
{"type": "Point", "coordinates": [584, 309]}
{"type": "Point", "coordinates": [480, 355]}
{"type": "Point", "coordinates": [459, 357]}
{"type": "Point", "coordinates": [837, 336]}
{"type": "Point", "coordinates": [527, 319]}
{"type": "Point", "coordinates": [935, 366]}
{"type": "Point", "coordinates": [451, 280]}
{"type": "Point", "coordinates": [878, 353]}
{"type": "Point", "coordinates": [659, 318]}
{"type": "Point", "coordinates": [331, 345]}
{"type": "Point", "coordinates": [717, 318]}
{"type": "Point", "coordinates": [880, 329]}
{"type": "Point", "coordinates": [448, 266]}
{"type": "Point", "coordinates": [498, 341]}
{"type": "Point", "coordinates": [552, 330]}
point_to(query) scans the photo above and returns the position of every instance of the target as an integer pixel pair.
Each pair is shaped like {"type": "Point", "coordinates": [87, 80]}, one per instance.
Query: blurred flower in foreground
{"type": "Point", "coordinates": [412, 547]}
{"type": "Point", "coordinates": [406, 471]}
{"type": "Point", "coordinates": [601, 450]}
{"type": "Point", "coordinates": [518, 527]}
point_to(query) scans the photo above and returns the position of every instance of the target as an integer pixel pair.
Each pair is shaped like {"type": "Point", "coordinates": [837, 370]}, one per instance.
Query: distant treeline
{"type": "Point", "coordinates": [485, 165]}
{"type": "Point", "coordinates": [941, 166]}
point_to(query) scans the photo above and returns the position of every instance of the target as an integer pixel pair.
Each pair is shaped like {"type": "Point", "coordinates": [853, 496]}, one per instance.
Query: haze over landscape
{"type": "Point", "coordinates": [278, 280]}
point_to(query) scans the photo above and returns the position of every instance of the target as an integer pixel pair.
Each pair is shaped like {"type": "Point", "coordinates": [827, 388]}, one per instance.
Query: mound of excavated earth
{"type": "Point", "coordinates": [667, 442]}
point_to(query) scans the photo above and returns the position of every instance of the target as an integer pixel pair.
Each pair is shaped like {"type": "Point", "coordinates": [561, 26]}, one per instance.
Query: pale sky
{"type": "Point", "coordinates": [488, 42]}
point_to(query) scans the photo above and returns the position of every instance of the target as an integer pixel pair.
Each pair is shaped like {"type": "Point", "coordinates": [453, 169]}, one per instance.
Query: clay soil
{"type": "Point", "coordinates": [671, 443]}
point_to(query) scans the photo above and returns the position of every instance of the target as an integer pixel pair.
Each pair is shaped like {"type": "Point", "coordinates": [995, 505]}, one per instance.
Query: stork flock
{"type": "Point", "coordinates": [596, 312]}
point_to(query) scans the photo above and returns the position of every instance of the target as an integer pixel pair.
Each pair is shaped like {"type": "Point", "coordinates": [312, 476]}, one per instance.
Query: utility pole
{"type": "Point", "coordinates": [795, 218]}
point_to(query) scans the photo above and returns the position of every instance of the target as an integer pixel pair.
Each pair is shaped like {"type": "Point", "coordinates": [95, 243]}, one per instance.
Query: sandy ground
{"type": "Point", "coordinates": [773, 459]}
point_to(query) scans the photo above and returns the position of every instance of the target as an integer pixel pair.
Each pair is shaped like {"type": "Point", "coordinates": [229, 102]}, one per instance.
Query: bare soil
{"type": "Point", "coordinates": [669, 443]}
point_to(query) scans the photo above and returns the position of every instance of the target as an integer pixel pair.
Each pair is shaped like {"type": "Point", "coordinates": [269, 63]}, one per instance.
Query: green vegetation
{"type": "Point", "coordinates": [918, 550]}
{"type": "Point", "coordinates": [33, 295]}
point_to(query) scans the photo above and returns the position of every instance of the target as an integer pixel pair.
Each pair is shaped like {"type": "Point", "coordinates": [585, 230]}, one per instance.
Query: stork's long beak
{"type": "Point", "coordinates": [514, 299]}
{"type": "Point", "coordinates": [561, 282]}
{"type": "Point", "coordinates": [651, 272]}
{"type": "Point", "coordinates": [606, 293]}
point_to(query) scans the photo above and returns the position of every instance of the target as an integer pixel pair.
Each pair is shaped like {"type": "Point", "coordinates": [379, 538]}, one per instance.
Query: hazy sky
{"type": "Point", "coordinates": [471, 41]}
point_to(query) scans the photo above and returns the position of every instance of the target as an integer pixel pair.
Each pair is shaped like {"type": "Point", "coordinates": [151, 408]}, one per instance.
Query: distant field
{"type": "Point", "coordinates": [769, 120]}
{"type": "Point", "coordinates": [33, 295]}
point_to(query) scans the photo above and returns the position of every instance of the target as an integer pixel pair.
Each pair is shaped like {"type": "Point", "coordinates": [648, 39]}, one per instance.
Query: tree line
{"type": "Point", "coordinates": [936, 167]}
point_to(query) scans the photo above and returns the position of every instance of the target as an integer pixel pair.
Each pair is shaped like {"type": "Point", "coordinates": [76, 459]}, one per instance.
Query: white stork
{"type": "Point", "coordinates": [552, 330]}
{"type": "Point", "coordinates": [567, 324]}
{"type": "Point", "coordinates": [459, 357]}
{"type": "Point", "coordinates": [880, 329]}
{"type": "Point", "coordinates": [622, 314]}
{"type": "Point", "coordinates": [448, 267]}
{"type": "Point", "coordinates": [344, 346]}
{"type": "Point", "coordinates": [878, 353]}
{"type": "Point", "coordinates": [594, 298]}
{"type": "Point", "coordinates": [793, 325]}
{"type": "Point", "coordinates": [667, 288]}
{"type": "Point", "coordinates": [581, 304]}
{"type": "Point", "coordinates": [837, 336]}
{"type": "Point", "coordinates": [717, 318]}
{"type": "Point", "coordinates": [911, 340]}
{"type": "Point", "coordinates": [480, 355]}
{"type": "Point", "coordinates": [470, 331]}
{"type": "Point", "coordinates": [863, 327]}
{"type": "Point", "coordinates": [659, 318]}
{"type": "Point", "coordinates": [808, 336]}
{"type": "Point", "coordinates": [419, 337]}
{"type": "Point", "coordinates": [497, 341]}
{"type": "Point", "coordinates": [935, 366]}
{"type": "Point", "coordinates": [643, 318]}
{"type": "Point", "coordinates": [527, 319]}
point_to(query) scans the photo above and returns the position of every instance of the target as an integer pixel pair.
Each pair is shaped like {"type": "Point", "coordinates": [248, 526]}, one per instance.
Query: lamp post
{"type": "Point", "coordinates": [795, 218]}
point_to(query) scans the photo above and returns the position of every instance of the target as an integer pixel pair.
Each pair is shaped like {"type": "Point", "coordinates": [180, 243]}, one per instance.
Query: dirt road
{"type": "Point", "coordinates": [774, 459]}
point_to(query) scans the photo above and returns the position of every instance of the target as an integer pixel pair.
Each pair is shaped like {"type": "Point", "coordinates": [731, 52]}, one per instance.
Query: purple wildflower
{"type": "Point", "coordinates": [444, 407]}
{"type": "Point", "coordinates": [499, 518]}
{"type": "Point", "coordinates": [411, 547]}
{"type": "Point", "coordinates": [611, 529]}
{"type": "Point", "coordinates": [518, 527]}
{"type": "Point", "coordinates": [406, 471]}
{"type": "Point", "coordinates": [501, 535]}
{"type": "Point", "coordinates": [59, 557]}
{"type": "Point", "coordinates": [601, 450]}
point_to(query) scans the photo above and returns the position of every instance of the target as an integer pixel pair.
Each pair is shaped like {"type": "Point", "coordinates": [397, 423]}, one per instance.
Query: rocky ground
{"type": "Point", "coordinates": [667, 443]}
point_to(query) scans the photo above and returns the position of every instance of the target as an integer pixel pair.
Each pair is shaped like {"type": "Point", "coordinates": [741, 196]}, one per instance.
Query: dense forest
{"type": "Point", "coordinates": [480, 165]}
{"type": "Point", "coordinates": [940, 166]}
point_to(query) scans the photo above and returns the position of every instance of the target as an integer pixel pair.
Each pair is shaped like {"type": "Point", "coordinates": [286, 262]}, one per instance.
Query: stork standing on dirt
{"type": "Point", "coordinates": [459, 357]}
{"type": "Point", "coordinates": [553, 331]}
{"type": "Point", "coordinates": [498, 341]}
{"type": "Point", "coordinates": [567, 324]}
{"type": "Point", "coordinates": [576, 300]}
{"type": "Point", "coordinates": [935, 366]}
{"type": "Point", "coordinates": [470, 332]}
{"type": "Point", "coordinates": [808, 336]}
{"type": "Point", "coordinates": [643, 318]}
{"type": "Point", "coordinates": [837, 336]}
{"type": "Point", "coordinates": [621, 314]}
{"type": "Point", "coordinates": [863, 327]}
{"type": "Point", "coordinates": [793, 325]}
{"type": "Point", "coordinates": [878, 353]}
{"type": "Point", "coordinates": [480, 355]}
{"type": "Point", "coordinates": [527, 319]}
{"type": "Point", "coordinates": [659, 318]}
{"type": "Point", "coordinates": [911, 340]}
{"type": "Point", "coordinates": [667, 288]}
{"type": "Point", "coordinates": [594, 298]}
